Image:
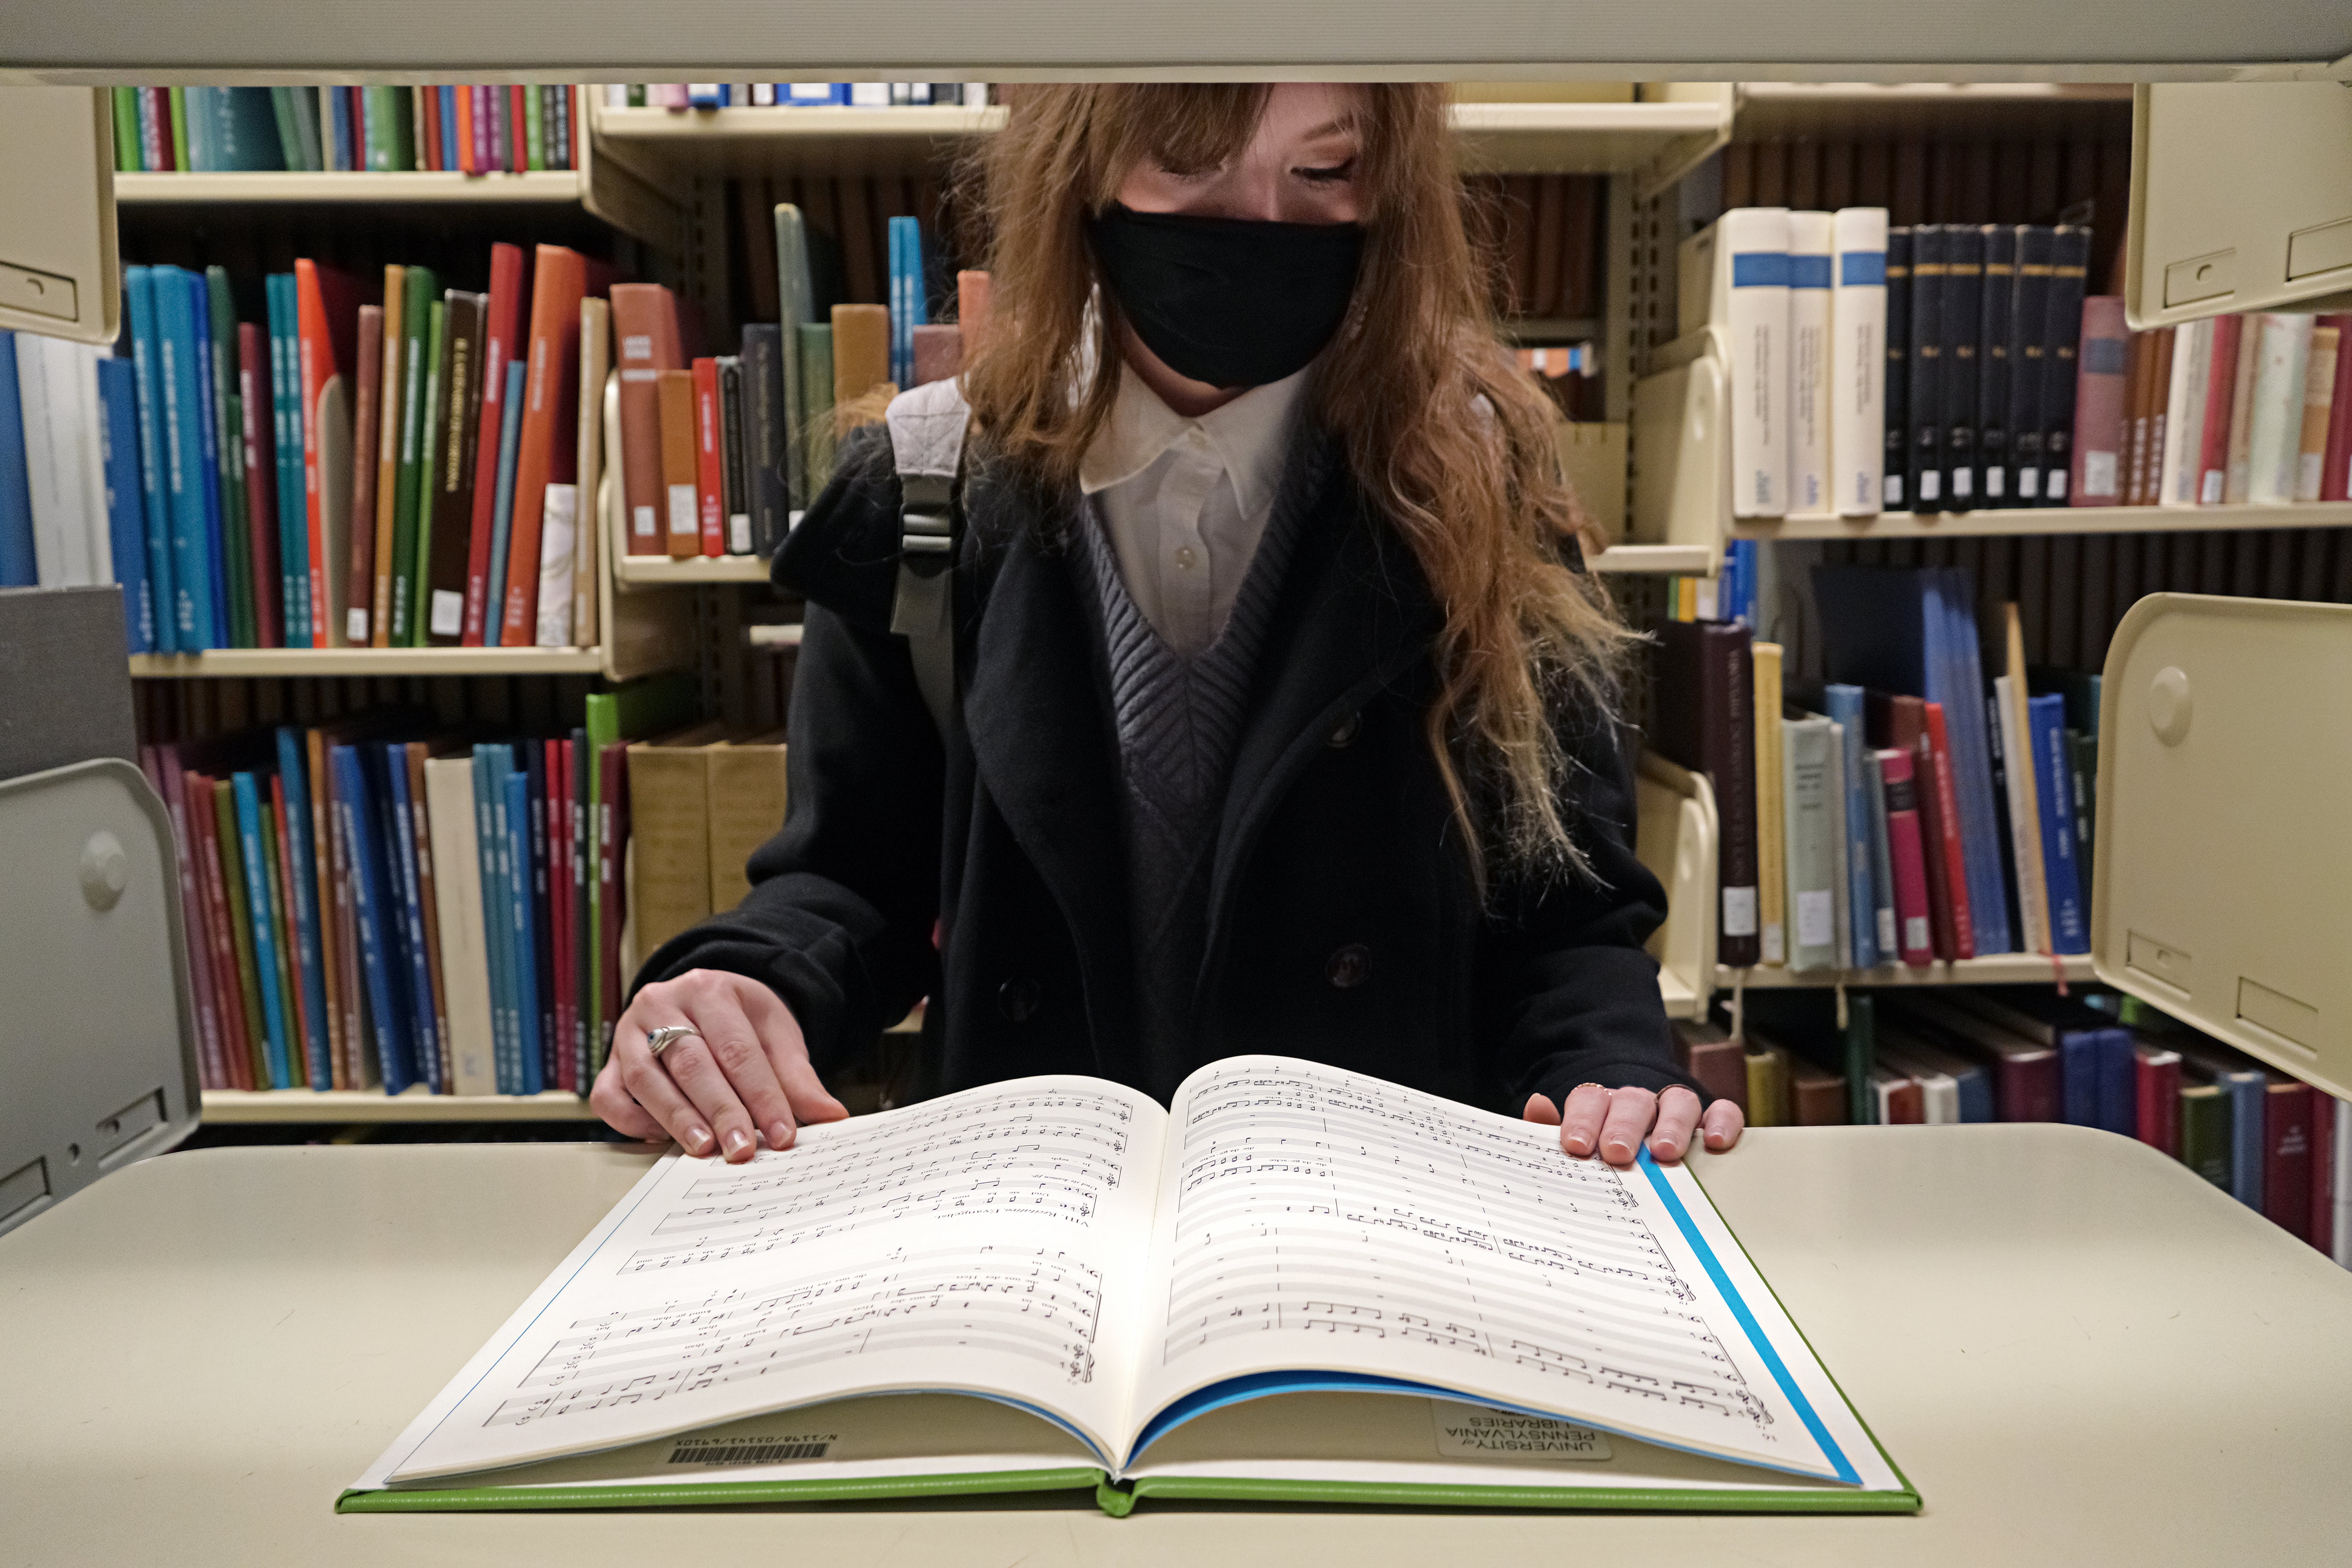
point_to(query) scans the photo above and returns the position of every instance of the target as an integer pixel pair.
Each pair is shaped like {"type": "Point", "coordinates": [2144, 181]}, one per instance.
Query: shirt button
{"type": "Point", "coordinates": [1349, 966]}
{"type": "Point", "coordinates": [1344, 735]}
{"type": "Point", "coordinates": [1185, 557]}
{"type": "Point", "coordinates": [1017, 1000]}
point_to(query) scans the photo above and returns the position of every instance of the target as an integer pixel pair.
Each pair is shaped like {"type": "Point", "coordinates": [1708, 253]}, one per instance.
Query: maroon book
{"type": "Point", "coordinates": [2157, 1076]}
{"type": "Point", "coordinates": [1706, 722]}
{"type": "Point", "coordinates": [259, 449]}
{"type": "Point", "coordinates": [1713, 1061]}
{"type": "Point", "coordinates": [2027, 1081]}
{"type": "Point", "coordinates": [2286, 1154]}
{"type": "Point", "coordinates": [2323, 1170]}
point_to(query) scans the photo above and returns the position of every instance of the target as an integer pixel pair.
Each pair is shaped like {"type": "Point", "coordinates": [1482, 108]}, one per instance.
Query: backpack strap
{"type": "Point", "coordinates": [927, 430]}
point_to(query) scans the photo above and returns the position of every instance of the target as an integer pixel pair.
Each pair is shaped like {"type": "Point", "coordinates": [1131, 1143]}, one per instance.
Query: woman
{"type": "Point", "coordinates": [1283, 714]}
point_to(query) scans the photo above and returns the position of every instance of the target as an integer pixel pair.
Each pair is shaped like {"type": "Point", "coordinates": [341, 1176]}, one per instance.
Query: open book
{"type": "Point", "coordinates": [1297, 1282]}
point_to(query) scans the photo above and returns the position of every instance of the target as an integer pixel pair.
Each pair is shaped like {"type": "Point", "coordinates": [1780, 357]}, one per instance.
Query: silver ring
{"type": "Point", "coordinates": [661, 1039]}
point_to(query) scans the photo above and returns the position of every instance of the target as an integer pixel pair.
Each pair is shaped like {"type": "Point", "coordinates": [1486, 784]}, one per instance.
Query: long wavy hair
{"type": "Point", "coordinates": [1441, 429]}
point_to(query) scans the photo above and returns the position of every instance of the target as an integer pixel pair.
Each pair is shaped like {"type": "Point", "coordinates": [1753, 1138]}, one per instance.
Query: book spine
{"type": "Point", "coordinates": [2335, 468]}
{"type": "Point", "coordinates": [414, 417]}
{"type": "Point", "coordinates": [1907, 854]}
{"type": "Point", "coordinates": [2278, 408]}
{"type": "Point", "coordinates": [125, 497]}
{"type": "Point", "coordinates": [710, 461]}
{"type": "Point", "coordinates": [281, 913]}
{"type": "Point", "coordinates": [2029, 364]}
{"type": "Point", "coordinates": [1733, 677]}
{"type": "Point", "coordinates": [274, 591]}
{"type": "Point", "coordinates": [2211, 463]}
{"type": "Point", "coordinates": [203, 817]}
{"type": "Point", "coordinates": [2156, 1082]}
{"type": "Point", "coordinates": [1895, 455]}
{"type": "Point", "coordinates": [560, 534]}
{"type": "Point", "coordinates": [200, 625]}
{"type": "Point", "coordinates": [558, 909]}
{"type": "Point", "coordinates": [551, 419]}
{"type": "Point", "coordinates": [500, 313]}
{"type": "Point", "coordinates": [297, 835]}
{"type": "Point", "coordinates": [593, 491]}
{"type": "Point", "coordinates": [488, 795]}
{"type": "Point", "coordinates": [371, 907]}
{"type": "Point", "coordinates": [734, 483]}
{"type": "Point", "coordinates": [2068, 931]}
{"type": "Point", "coordinates": [162, 765]}
{"type": "Point", "coordinates": [796, 307]}
{"type": "Point", "coordinates": [1752, 256]}
{"type": "Point", "coordinates": [502, 504]}
{"type": "Point", "coordinates": [358, 561]}
{"type": "Point", "coordinates": [538, 890]}
{"type": "Point", "coordinates": [1927, 400]}
{"type": "Point", "coordinates": [2318, 389]}
{"type": "Point", "coordinates": [415, 562]}
{"type": "Point", "coordinates": [1954, 850]}
{"type": "Point", "coordinates": [1811, 258]}
{"type": "Point", "coordinates": [2000, 242]}
{"type": "Point", "coordinates": [448, 558]}
{"type": "Point", "coordinates": [525, 949]}
{"type": "Point", "coordinates": [2069, 275]}
{"type": "Point", "coordinates": [225, 460]}
{"type": "Point", "coordinates": [285, 445]}
{"type": "Point", "coordinates": [230, 843]}
{"type": "Point", "coordinates": [2013, 777]}
{"type": "Point", "coordinates": [348, 1018]}
{"type": "Point", "coordinates": [318, 366]}
{"type": "Point", "coordinates": [764, 437]}
{"type": "Point", "coordinates": [1860, 884]}
{"type": "Point", "coordinates": [16, 503]}
{"type": "Point", "coordinates": [1771, 818]}
{"type": "Point", "coordinates": [2176, 469]}
{"type": "Point", "coordinates": [2100, 375]}
{"type": "Point", "coordinates": [1809, 788]}
{"type": "Point", "coordinates": [1963, 308]}
{"type": "Point", "coordinates": [611, 837]}
{"type": "Point", "coordinates": [2286, 1156]}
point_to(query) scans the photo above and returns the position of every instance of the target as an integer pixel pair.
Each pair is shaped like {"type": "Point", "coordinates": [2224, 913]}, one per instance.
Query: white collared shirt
{"type": "Point", "coordinates": [1185, 502]}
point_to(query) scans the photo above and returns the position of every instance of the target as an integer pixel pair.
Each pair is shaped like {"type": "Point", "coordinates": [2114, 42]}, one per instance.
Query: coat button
{"type": "Point", "coordinates": [1017, 999]}
{"type": "Point", "coordinates": [1344, 735]}
{"type": "Point", "coordinates": [1349, 966]}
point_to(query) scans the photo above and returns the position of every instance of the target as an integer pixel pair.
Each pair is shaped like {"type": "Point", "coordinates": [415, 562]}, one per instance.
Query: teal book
{"type": "Point", "coordinates": [231, 129]}
{"type": "Point", "coordinates": [1293, 1284]}
{"type": "Point", "coordinates": [258, 879]}
{"type": "Point", "coordinates": [489, 764]}
{"type": "Point", "coordinates": [229, 469]}
{"type": "Point", "coordinates": [186, 384]}
{"type": "Point", "coordinates": [503, 502]}
{"type": "Point", "coordinates": [147, 371]}
{"type": "Point", "coordinates": [286, 423]}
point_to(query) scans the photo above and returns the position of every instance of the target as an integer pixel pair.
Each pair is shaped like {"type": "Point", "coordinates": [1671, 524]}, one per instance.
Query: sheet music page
{"type": "Point", "coordinates": [1312, 1219]}
{"type": "Point", "coordinates": [988, 1242]}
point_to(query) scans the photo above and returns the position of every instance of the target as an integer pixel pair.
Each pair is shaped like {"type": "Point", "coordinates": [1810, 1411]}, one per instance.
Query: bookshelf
{"type": "Point", "coordinates": [285, 1107]}
{"type": "Point", "coordinates": [2002, 968]}
{"type": "Point", "coordinates": [649, 571]}
{"type": "Point", "coordinates": [276, 187]}
{"type": "Point", "coordinates": [377, 661]}
{"type": "Point", "coordinates": [2061, 519]}
{"type": "Point", "coordinates": [1788, 111]}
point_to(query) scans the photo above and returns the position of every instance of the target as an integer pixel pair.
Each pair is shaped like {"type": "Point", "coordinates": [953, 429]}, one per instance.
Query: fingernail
{"type": "Point", "coordinates": [1619, 1151]}
{"type": "Point", "coordinates": [1662, 1149]}
{"type": "Point", "coordinates": [739, 1142]}
{"type": "Point", "coordinates": [695, 1139]}
{"type": "Point", "coordinates": [780, 1134]}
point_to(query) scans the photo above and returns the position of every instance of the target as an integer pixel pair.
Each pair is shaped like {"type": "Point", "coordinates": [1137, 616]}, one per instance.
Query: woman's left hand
{"type": "Point", "coordinates": [1611, 1122]}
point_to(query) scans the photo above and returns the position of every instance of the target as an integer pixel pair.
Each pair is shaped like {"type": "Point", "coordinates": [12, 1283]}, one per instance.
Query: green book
{"type": "Point", "coordinates": [228, 409]}
{"type": "Point", "coordinates": [1861, 1037]}
{"type": "Point", "coordinates": [1059, 1286]}
{"type": "Point", "coordinates": [388, 129]}
{"type": "Point", "coordinates": [2205, 1143]}
{"type": "Point", "coordinates": [815, 358]}
{"type": "Point", "coordinates": [640, 708]}
{"type": "Point", "coordinates": [290, 135]}
{"type": "Point", "coordinates": [179, 98]}
{"type": "Point", "coordinates": [240, 927]}
{"type": "Point", "coordinates": [281, 941]}
{"type": "Point", "coordinates": [125, 100]}
{"type": "Point", "coordinates": [420, 291]}
{"type": "Point", "coordinates": [534, 130]}
{"type": "Point", "coordinates": [432, 408]}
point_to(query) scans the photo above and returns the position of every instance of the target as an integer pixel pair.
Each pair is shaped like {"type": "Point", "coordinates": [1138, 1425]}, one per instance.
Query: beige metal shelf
{"type": "Point", "coordinates": [1782, 110]}
{"type": "Point", "coordinates": [1693, 560]}
{"type": "Point", "coordinates": [303, 1105]}
{"type": "Point", "coordinates": [2003, 969]}
{"type": "Point", "coordinates": [379, 661]}
{"type": "Point", "coordinates": [2046, 519]}
{"type": "Point", "coordinates": [660, 571]}
{"type": "Point", "coordinates": [273, 187]}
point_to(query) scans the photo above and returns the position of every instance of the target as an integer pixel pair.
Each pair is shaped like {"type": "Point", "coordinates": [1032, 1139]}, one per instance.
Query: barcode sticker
{"type": "Point", "coordinates": [2099, 473]}
{"type": "Point", "coordinates": [749, 1450]}
{"type": "Point", "coordinates": [1816, 919]}
{"type": "Point", "coordinates": [683, 517]}
{"type": "Point", "coordinates": [1739, 911]}
{"type": "Point", "coordinates": [1931, 484]}
{"type": "Point", "coordinates": [1886, 930]}
{"type": "Point", "coordinates": [641, 521]}
{"type": "Point", "coordinates": [449, 614]}
{"type": "Point", "coordinates": [1914, 930]}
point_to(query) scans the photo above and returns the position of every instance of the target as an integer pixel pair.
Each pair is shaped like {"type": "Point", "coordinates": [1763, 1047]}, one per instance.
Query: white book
{"type": "Point", "coordinates": [1811, 260]}
{"type": "Point", "coordinates": [2238, 465]}
{"type": "Point", "coordinates": [2184, 414]}
{"type": "Point", "coordinates": [1735, 274]}
{"type": "Point", "coordinates": [457, 898]}
{"type": "Point", "coordinates": [90, 454]}
{"type": "Point", "coordinates": [2318, 400]}
{"type": "Point", "coordinates": [2024, 818]}
{"type": "Point", "coordinates": [40, 463]}
{"type": "Point", "coordinates": [2274, 460]}
{"type": "Point", "coordinates": [1056, 1274]}
{"type": "Point", "coordinates": [1858, 361]}
{"type": "Point", "coordinates": [558, 535]}
{"type": "Point", "coordinates": [2340, 1186]}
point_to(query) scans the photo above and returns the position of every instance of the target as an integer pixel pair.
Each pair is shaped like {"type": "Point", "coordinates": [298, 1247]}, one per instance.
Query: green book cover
{"type": "Point", "coordinates": [1860, 1037]}
{"type": "Point", "coordinates": [228, 409]}
{"type": "Point", "coordinates": [179, 97]}
{"type": "Point", "coordinates": [534, 128]}
{"type": "Point", "coordinates": [2205, 1145]}
{"type": "Point", "coordinates": [432, 408]}
{"type": "Point", "coordinates": [816, 396]}
{"type": "Point", "coordinates": [637, 708]}
{"type": "Point", "coordinates": [390, 134]}
{"type": "Point", "coordinates": [419, 291]}
{"type": "Point", "coordinates": [126, 129]}
{"type": "Point", "coordinates": [240, 927]}
{"type": "Point", "coordinates": [290, 135]}
{"type": "Point", "coordinates": [282, 946]}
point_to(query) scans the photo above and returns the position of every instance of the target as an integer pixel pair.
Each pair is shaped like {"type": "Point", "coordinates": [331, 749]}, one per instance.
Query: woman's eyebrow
{"type": "Point", "coordinates": [1342, 126]}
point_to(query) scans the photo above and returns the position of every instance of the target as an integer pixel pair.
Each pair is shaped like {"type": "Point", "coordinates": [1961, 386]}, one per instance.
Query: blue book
{"type": "Point", "coordinates": [400, 842]}
{"type": "Point", "coordinates": [310, 953]}
{"type": "Point", "coordinates": [126, 506]}
{"type": "Point", "coordinates": [286, 430]}
{"type": "Point", "coordinates": [155, 497]}
{"type": "Point", "coordinates": [1976, 1093]}
{"type": "Point", "coordinates": [338, 130]}
{"type": "Point", "coordinates": [449, 128]}
{"type": "Point", "coordinates": [526, 927]}
{"type": "Point", "coordinates": [257, 878]}
{"type": "Point", "coordinates": [207, 475]}
{"type": "Point", "coordinates": [907, 304]}
{"type": "Point", "coordinates": [502, 510]}
{"type": "Point", "coordinates": [2081, 1082]}
{"type": "Point", "coordinates": [2053, 789]}
{"type": "Point", "coordinates": [1844, 704]}
{"type": "Point", "coordinates": [371, 907]}
{"type": "Point", "coordinates": [496, 917]}
{"type": "Point", "coordinates": [187, 397]}
{"type": "Point", "coordinates": [2118, 1082]}
{"type": "Point", "coordinates": [18, 567]}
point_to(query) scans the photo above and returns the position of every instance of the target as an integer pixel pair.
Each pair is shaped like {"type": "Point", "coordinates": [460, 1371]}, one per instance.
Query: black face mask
{"type": "Point", "coordinates": [1233, 302]}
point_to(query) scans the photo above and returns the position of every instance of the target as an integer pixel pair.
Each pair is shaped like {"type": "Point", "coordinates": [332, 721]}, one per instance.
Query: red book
{"type": "Point", "coordinates": [1901, 723]}
{"type": "Point", "coordinates": [2323, 1170]}
{"type": "Point", "coordinates": [428, 128]}
{"type": "Point", "coordinates": [709, 459]}
{"type": "Point", "coordinates": [2286, 1154]}
{"type": "Point", "coordinates": [551, 420]}
{"type": "Point", "coordinates": [611, 834]}
{"type": "Point", "coordinates": [2220, 385]}
{"type": "Point", "coordinates": [260, 455]}
{"type": "Point", "coordinates": [501, 321]}
{"type": "Point", "coordinates": [2101, 378]}
{"type": "Point", "coordinates": [2335, 475]}
{"type": "Point", "coordinates": [559, 906]}
{"type": "Point", "coordinates": [156, 130]}
{"type": "Point", "coordinates": [518, 158]}
{"type": "Point", "coordinates": [327, 322]}
{"type": "Point", "coordinates": [1900, 1101]}
{"type": "Point", "coordinates": [646, 329]}
{"type": "Point", "coordinates": [2156, 1077]}
{"type": "Point", "coordinates": [162, 766]}
{"type": "Point", "coordinates": [1913, 928]}
{"type": "Point", "coordinates": [1948, 811]}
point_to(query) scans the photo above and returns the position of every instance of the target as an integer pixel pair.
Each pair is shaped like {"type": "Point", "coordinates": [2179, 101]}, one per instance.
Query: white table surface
{"type": "Point", "coordinates": [2078, 1351]}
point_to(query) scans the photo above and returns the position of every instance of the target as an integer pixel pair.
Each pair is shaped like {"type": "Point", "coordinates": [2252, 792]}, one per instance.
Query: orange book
{"type": "Point", "coordinates": [550, 423]}
{"type": "Point", "coordinates": [327, 322]}
{"type": "Point", "coordinates": [861, 351]}
{"type": "Point", "coordinates": [971, 310]}
{"type": "Point", "coordinates": [646, 329]}
{"type": "Point", "coordinates": [678, 463]}
{"type": "Point", "coordinates": [465, 161]}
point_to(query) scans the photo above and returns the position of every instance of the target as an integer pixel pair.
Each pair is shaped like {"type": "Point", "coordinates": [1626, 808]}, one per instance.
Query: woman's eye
{"type": "Point", "coordinates": [1331, 175]}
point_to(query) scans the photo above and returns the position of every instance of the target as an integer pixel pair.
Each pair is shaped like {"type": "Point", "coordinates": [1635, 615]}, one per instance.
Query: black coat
{"type": "Point", "coordinates": [1344, 925]}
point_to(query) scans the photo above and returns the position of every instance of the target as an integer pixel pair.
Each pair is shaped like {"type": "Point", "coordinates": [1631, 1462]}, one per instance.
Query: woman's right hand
{"type": "Point", "coordinates": [745, 1069]}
